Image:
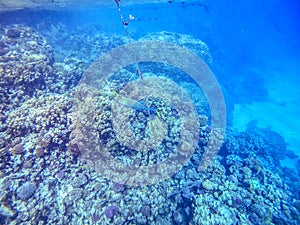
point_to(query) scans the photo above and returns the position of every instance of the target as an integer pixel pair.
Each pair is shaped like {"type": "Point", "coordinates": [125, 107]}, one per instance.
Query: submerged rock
{"type": "Point", "coordinates": [111, 211]}
{"type": "Point", "coordinates": [26, 191]}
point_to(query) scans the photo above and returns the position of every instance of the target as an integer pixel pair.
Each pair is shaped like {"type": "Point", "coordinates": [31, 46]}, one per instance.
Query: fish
{"type": "Point", "coordinates": [137, 105]}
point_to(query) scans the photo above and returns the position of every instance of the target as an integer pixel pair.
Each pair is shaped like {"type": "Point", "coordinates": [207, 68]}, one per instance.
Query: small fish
{"type": "Point", "coordinates": [137, 105]}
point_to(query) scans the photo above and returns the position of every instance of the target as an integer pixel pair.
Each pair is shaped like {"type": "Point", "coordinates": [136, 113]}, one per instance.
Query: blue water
{"type": "Point", "coordinates": [255, 57]}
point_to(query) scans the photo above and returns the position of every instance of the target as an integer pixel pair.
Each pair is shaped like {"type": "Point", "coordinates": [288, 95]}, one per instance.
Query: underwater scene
{"type": "Point", "coordinates": [149, 112]}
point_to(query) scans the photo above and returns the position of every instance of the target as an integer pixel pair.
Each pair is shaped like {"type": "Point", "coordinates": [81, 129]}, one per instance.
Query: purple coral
{"type": "Point", "coordinates": [111, 211]}
{"type": "Point", "coordinates": [60, 174]}
{"type": "Point", "coordinates": [146, 210]}
{"type": "Point", "coordinates": [95, 217]}
{"type": "Point", "coordinates": [118, 187]}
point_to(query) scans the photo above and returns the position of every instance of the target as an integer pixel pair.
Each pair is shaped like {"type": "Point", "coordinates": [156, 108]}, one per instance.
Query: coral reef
{"type": "Point", "coordinates": [45, 125]}
{"type": "Point", "coordinates": [25, 64]}
{"type": "Point", "coordinates": [197, 46]}
{"type": "Point", "coordinates": [37, 125]}
{"type": "Point", "coordinates": [74, 52]}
